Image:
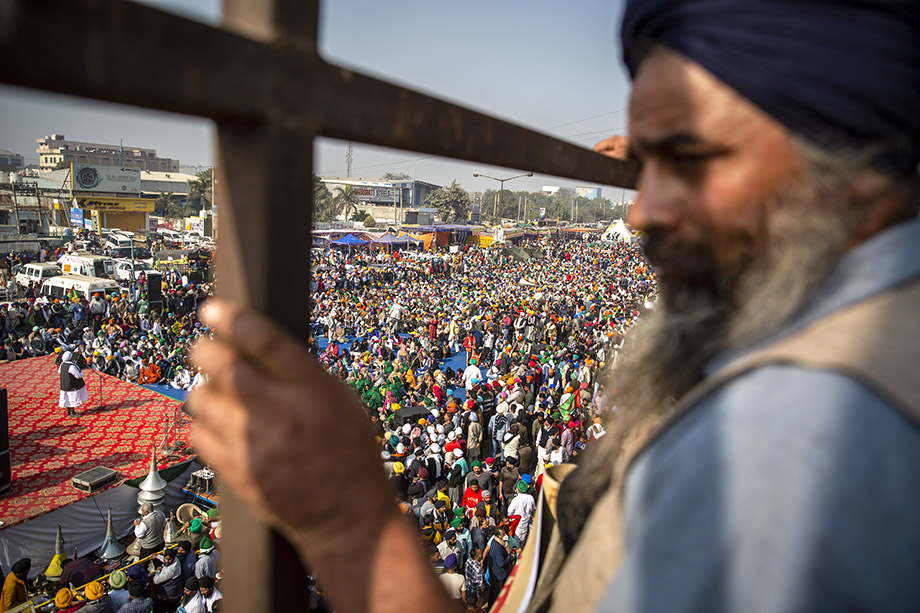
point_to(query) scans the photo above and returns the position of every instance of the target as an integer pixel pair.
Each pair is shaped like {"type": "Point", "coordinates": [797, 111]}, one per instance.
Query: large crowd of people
{"type": "Point", "coordinates": [119, 334]}
{"type": "Point", "coordinates": [477, 368]}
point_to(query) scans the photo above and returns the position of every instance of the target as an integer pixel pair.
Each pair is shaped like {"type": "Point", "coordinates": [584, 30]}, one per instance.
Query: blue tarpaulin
{"type": "Point", "coordinates": [349, 239]}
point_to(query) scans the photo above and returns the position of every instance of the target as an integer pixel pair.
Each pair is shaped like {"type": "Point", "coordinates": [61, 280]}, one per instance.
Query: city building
{"type": "Point", "coordinates": [10, 162]}
{"type": "Point", "coordinates": [154, 183]}
{"type": "Point", "coordinates": [100, 196]}
{"type": "Point", "coordinates": [591, 192]}
{"type": "Point", "coordinates": [388, 201]}
{"type": "Point", "coordinates": [549, 190]}
{"type": "Point", "coordinates": [55, 149]}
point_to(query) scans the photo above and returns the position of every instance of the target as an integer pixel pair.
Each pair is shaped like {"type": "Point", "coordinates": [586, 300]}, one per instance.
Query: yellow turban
{"type": "Point", "coordinates": [63, 598]}
{"type": "Point", "coordinates": [94, 591]}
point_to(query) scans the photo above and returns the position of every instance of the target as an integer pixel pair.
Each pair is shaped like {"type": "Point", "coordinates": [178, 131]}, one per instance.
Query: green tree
{"type": "Point", "coordinates": [61, 165]}
{"type": "Point", "coordinates": [347, 200]}
{"type": "Point", "coordinates": [162, 203]}
{"type": "Point", "coordinates": [178, 210]}
{"type": "Point", "coordinates": [535, 202]}
{"type": "Point", "coordinates": [324, 206]}
{"type": "Point", "coordinates": [199, 188]}
{"type": "Point", "coordinates": [395, 176]}
{"type": "Point", "coordinates": [369, 221]}
{"type": "Point", "coordinates": [452, 203]}
{"type": "Point", "coordinates": [562, 204]}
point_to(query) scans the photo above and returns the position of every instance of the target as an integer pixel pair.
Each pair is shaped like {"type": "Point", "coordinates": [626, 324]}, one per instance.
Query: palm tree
{"type": "Point", "coordinates": [324, 207]}
{"type": "Point", "coordinates": [179, 210]}
{"type": "Point", "coordinates": [162, 203]}
{"type": "Point", "coordinates": [200, 188]}
{"type": "Point", "coordinates": [347, 199]}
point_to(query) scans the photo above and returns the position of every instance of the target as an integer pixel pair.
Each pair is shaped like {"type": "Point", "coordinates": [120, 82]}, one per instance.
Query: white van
{"type": "Point", "coordinates": [37, 272]}
{"type": "Point", "coordinates": [116, 239]}
{"type": "Point", "coordinates": [87, 264]}
{"type": "Point", "coordinates": [61, 287]}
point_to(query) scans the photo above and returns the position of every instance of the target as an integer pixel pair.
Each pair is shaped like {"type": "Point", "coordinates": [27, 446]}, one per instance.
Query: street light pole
{"type": "Point", "coordinates": [501, 188]}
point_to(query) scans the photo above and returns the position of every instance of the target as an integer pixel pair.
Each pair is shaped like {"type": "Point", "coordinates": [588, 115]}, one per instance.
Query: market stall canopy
{"type": "Point", "coordinates": [348, 239]}
{"type": "Point", "coordinates": [392, 239]}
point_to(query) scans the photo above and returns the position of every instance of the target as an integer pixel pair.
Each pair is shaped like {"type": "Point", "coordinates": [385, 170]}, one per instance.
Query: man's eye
{"type": "Point", "coordinates": [688, 161]}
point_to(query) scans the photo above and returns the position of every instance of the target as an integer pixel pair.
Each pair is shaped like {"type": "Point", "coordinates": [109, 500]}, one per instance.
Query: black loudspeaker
{"type": "Point", "coordinates": [4, 422]}
{"type": "Point", "coordinates": [6, 473]}
{"type": "Point", "coordinates": [154, 288]}
{"type": "Point", "coordinates": [6, 467]}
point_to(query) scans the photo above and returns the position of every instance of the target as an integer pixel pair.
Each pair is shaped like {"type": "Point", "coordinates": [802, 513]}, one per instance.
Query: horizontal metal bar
{"type": "Point", "coordinates": [134, 54]}
{"type": "Point", "coordinates": [356, 107]}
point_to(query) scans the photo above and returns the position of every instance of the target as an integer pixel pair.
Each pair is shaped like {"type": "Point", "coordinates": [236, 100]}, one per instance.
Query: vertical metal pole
{"type": "Point", "coordinates": [16, 208]}
{"type": "Point", "coordinates": [133, 275]}
{"type": "Point", "coordinates": [265, 178]}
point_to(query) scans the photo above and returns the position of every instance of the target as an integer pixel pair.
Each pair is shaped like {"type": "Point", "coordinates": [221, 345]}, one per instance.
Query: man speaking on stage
{"type": "Point", "coordinates": [73, 388]}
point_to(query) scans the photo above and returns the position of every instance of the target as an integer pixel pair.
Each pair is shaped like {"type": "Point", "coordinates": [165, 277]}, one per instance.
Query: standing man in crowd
{"type": "Point", "coordinates": [779, 144]}
{"type": "Point", "coordinates": [14, 585]}
{"type": "Point", "coordinates": [168, 579]}
{"type": "Point", "coordinates": [149, 529]}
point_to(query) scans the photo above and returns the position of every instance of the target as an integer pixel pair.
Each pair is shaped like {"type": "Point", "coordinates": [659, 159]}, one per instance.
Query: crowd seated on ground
{"type": "Point", "coordinates": [129, 339]}
{"type": "Point", "coordinates": [495, 356]}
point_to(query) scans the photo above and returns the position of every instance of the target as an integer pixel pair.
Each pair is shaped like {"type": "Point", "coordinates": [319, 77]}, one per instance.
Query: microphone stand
{"type": "Point", "coordinates": [99, 374]}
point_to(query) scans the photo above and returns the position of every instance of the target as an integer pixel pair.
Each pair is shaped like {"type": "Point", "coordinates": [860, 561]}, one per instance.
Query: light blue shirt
{"type": "Point", "coordinates": [788, 488]}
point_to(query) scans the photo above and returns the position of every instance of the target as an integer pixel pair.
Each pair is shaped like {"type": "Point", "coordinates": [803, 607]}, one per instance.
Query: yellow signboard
{"type": "Point", "coordinates": [97, 220]}
{"type": "Point", "coordinates": [133, 205]}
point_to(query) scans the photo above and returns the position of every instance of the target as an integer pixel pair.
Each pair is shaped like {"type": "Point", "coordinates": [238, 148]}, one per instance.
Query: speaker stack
{"type": "Point", "coordinates": [6, 467]}
{"type": "Point", "coordinates": [155, 290]}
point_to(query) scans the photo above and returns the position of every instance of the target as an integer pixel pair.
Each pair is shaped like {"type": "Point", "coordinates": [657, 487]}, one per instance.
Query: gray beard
{"type": "Point", "coordinates": [728, 300]}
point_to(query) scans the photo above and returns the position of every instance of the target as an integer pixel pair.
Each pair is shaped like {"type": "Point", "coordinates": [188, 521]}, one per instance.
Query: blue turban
{"type": "Point", "coordinates": [842, 74]}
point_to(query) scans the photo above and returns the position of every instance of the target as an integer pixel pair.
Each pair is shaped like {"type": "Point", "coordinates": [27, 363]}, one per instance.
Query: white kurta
{"type": "Point", "coordinates": [523, 505]}
{"type": "Point", "coordinates": [70, 400]}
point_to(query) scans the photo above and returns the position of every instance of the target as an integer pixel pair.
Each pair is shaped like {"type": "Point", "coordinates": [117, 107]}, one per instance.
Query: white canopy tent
{"type": "Point", "coordinates": [618, 232]}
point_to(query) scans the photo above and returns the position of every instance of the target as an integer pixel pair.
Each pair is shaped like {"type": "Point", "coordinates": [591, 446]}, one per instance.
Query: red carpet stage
{"type": "Point", "coordinates": [48, 449]}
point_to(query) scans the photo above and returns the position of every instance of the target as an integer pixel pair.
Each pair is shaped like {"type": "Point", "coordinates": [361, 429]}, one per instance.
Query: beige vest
{"type": "Point", "coordinates": [876, 341]}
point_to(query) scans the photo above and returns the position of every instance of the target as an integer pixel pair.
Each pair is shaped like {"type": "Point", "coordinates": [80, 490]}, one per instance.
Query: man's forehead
{"type": "Point", "coordinates": [675, 102]}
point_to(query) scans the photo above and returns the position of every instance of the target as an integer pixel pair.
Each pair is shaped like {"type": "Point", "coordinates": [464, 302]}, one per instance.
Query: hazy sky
{"type": "Point", "coordinates": [545, 64]}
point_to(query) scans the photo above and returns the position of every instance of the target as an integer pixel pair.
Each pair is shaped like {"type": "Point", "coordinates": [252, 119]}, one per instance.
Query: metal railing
{"type": "Point", "coordinates": [261, 79]}
{"type": "Point", "coordinates": [32, 605]}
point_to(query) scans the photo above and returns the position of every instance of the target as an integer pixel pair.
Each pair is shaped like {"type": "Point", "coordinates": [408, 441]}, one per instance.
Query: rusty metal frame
{"type": "Point", "coordinates": [261, 79]}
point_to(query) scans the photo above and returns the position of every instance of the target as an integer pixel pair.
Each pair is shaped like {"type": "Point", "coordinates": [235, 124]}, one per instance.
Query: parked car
{"type": "Point", "coordinates": [37, 272]}
{"type": "Point", "coordinates": [141, 254]}
{"type": "Point", "coordinates": [125, 270]}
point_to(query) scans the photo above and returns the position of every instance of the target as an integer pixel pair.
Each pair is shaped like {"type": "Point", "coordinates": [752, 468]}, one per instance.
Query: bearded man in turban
{"type": "Point", "coordinates": [766, 447]}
